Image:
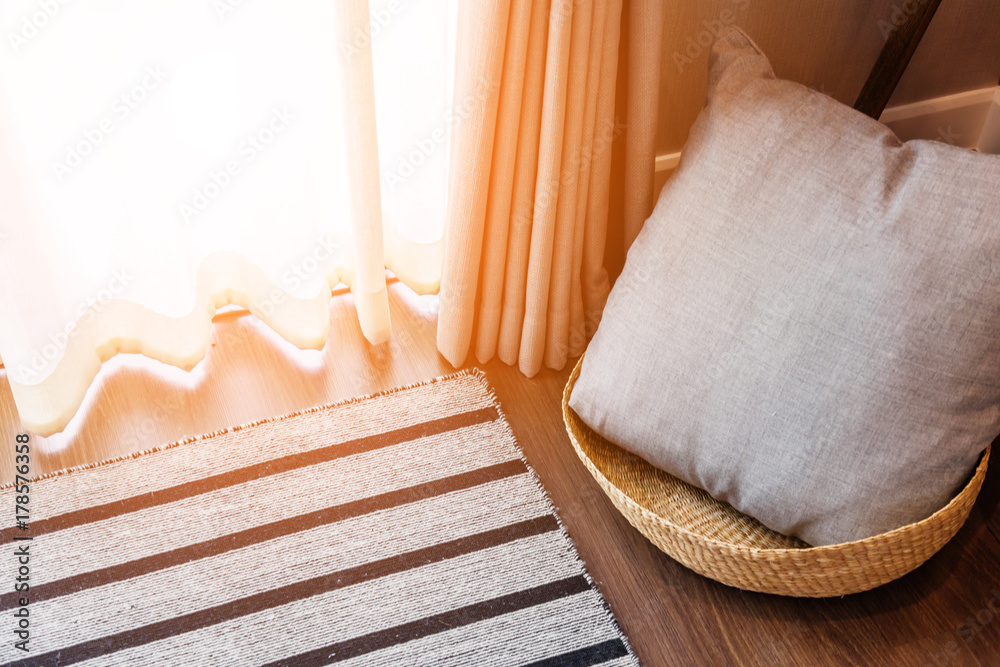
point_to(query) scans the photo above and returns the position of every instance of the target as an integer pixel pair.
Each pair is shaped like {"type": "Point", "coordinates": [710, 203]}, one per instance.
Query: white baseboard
{"type": "Point", "coordinates": [970, 120]}
{"type": "Point", "coordinates": [989, 139]}
{"type": "Point", "coordinates": [665, 164]}
{"type": "Point", "coordinates": [668, 162]}
{"type": "Point", "coordinates": [956, 119]}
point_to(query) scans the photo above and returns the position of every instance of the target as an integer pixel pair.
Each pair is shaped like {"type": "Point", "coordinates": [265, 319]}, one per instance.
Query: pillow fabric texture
{"type": "Point", "coordinates": [808, 325]}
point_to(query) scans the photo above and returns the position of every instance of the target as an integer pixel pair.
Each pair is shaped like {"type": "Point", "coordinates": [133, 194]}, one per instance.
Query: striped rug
{"type": "Point", "coordinates": [399, 529]}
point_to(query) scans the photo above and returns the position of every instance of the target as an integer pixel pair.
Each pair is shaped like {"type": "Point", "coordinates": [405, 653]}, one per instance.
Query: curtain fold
{"type": "Point", "coordinates": [595, 283]}
{"type": "Point", "coordinates": [645, 56]}
{"type": "Point", "coordinates": [361, 142]}
{"type": "Point", "coordinates": [524, 277]}
{"type": "Point", "coordinates": [482, 36]}
{"type": "Point", "coordinates": [518, 222]}
{"type": "Point", "coordinates": [509, 139]}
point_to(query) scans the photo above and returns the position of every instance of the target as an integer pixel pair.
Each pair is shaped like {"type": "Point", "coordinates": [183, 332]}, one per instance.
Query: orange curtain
{"type": "Point", "coordinates": [645, 32]}
{"type": "Point", "coordinates": [527, 213]}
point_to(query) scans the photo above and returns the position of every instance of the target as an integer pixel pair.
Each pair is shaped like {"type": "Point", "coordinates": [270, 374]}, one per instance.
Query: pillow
{"type": "Point", "coordinates": [807, 325]}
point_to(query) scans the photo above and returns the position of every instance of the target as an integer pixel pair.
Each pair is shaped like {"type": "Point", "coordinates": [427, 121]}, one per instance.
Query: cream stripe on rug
{"type": "Point", "coordinates": [530, 635]}
{"type": "Point", "coordinates": [342, 534]}
{"type": "Point", "coordinates": [399, 529]}
{"type": "Point", "coordinates": [225, 513]}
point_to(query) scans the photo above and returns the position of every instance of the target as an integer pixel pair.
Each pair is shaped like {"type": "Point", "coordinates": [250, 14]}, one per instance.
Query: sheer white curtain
{"type": "Point", "coordinates": [163, 159]}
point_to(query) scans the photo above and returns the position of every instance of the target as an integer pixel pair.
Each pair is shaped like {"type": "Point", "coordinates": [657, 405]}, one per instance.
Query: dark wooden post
{"type": "Point", "coordinates": [899, 47]}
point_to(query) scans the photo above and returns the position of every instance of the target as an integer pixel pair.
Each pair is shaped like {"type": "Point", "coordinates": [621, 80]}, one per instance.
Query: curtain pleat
{"type": "Point", "coordinates": [546, 187]}
{"type": "Point", "coordinates": [505, 150]}
{"type": "Point", "coordinates": [577, 330]}
{"type": "Point", "coordinates": [525, 174]}
{"type": "Point", "coordinates": [482, 35]}
{"type": "Point", "coordinates": [594, 276]}
{"type": "Point", "coordinates": [645, 55]}
{"type": "Point", "coordinates": [561, 278]}
{"type": "Point", "coordinates": [541, 282]}
{"type": "Point", "coordinates": [361, 143]}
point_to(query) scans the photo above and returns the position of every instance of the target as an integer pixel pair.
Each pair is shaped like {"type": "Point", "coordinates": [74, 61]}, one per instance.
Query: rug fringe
{"type": "Point", "coordinates": [473, 372]}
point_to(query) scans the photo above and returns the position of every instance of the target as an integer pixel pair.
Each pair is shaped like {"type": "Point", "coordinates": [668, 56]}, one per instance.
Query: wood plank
{"type": "Point", "coordinates": [944, 649]}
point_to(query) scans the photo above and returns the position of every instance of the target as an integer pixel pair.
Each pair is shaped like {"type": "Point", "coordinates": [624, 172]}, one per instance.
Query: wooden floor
{"type": "Point", "coordinates": [946, 613]}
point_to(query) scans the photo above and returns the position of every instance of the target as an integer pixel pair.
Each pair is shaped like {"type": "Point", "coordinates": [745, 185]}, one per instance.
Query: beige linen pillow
{"type": "Point", "coordinates": [808, 326]}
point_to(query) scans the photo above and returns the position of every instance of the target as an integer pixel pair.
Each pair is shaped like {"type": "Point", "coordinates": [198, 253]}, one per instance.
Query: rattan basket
{"type": "Point", "coordinates": [715, 540]}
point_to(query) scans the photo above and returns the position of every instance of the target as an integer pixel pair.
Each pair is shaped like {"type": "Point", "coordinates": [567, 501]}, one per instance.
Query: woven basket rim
{"type": "Point", "coordinates": [573, 422]}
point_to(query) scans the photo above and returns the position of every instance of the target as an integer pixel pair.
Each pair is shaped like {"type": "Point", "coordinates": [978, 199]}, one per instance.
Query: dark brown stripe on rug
{"type": "Point", "coordinates": [269, 531]}
{"type": "Point", "coordinates": [250, 473]}
{"type": "Point", "coordinates": [586, 657]}
{"type": "Point", "coordinates": [425, 627]}
{"type": "Point", "coordinates": [291, 593]}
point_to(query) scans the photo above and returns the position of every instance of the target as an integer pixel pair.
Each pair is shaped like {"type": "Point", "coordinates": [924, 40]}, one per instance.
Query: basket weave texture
{"type": "Point", "coordinates": [715, 540]}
